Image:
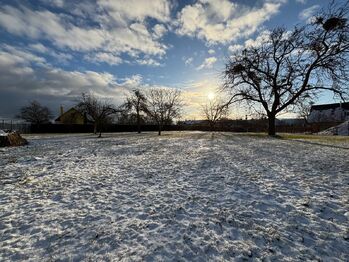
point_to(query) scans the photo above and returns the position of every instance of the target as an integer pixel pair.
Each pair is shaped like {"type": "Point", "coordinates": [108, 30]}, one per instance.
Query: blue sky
{"type": "Point", "coordinates": [53, 50]}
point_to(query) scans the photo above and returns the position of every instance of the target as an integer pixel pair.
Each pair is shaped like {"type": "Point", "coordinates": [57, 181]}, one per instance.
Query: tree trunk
{"type": "Point", "coordinates": [95, 128]}
{"type": "Point", "coordinates": [212, 125]}
{"type": "Point", "coordinates": [160, 127]}
{"type": "Point", "coordinates": [271, 126]}
{"type": "Point", "coordinates": [138, 122]}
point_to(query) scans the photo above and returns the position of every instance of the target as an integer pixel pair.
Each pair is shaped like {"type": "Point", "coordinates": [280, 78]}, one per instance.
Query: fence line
{"type": "Point", "coordinates": [14, 125]}
{"type": "Point", "coordinates": [237, 126]}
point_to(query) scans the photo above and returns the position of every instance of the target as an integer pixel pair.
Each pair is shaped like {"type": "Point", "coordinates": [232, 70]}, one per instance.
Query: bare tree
{"type": "Point", "coordinates": [214, 110]}
{"type": "Point", "coordinates": [35, 113]}
{"type": "Point", "coordinates": [99, 110]}
{"type": "Point", "coordinates": [137, 102]}
{"type": "Point", "coordinates": [291, 66]}
{"type": "Point", "coordinates": [163, 105]}
{"type": "Point", "coordinates": [304, 109]}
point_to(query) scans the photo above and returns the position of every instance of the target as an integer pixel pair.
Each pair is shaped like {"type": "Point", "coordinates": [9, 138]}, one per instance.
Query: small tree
{"type": "Point", "coordinates": [137, 102]}
{"type": "Point", "coordinates": [214, 110]}
{"type": "Point", "coordinates": [304, 110]}
{"type": "Point", "coordinates": [163, 105]}
{"type": "Point", "coordinates": [289, 67]}
{"type": "Point", "coordinates": [99, 110]}
{"type": "Point", "coordinates": [35, 113]}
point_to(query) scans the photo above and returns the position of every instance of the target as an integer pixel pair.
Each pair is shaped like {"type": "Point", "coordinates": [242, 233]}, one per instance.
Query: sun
{"type": "Point", "coordinates": [211, 96]}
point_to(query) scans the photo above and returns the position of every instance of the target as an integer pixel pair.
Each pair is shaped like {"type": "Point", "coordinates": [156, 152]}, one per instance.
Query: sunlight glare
{"type": "Point", "coordinates": [210, 95]}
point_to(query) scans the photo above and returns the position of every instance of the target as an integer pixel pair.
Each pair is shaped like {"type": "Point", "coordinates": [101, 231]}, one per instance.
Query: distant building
{"type": "Point", "coordinates": [73, 116]}
{"type": "Point", "coordinates": [338, 112]}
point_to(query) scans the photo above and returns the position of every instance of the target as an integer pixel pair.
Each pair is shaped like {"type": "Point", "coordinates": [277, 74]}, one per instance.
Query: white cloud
{"type": "Point", "coordinates": [123, 11]}
{"type": "Point", "coordinates": [159, 30]}
{"type": "Point", "coordinates": [133, 42]}
{"type": "Point", "coordinates": [55, 3]}
{"type": "Point", "coordinates": [132, 82]}
{"type": "Point", "coordinates": [117, 28]}
{"type": "Point", "coordinates": [21, 56]}
{"type": "Point", "coordinates": [301, 1]}
{"type": "Point", "coordinates": [235, 48]}
{"type": "Point", "coordinates": [108, 58]}
{"type": "Point", "coordinates": [308, 12]}
{"type": "Point", "coordinates": [208, 63]}
{"type": "Point", "coordinates": [188, 61]}
{"type": "Point", "coordinates": [262, 37]}
{"type": "Point", "coordinates": [211, 51]}
{"type": "Point", "coordinates": [40, 48]}
{"type": "Point", "coordinates": [220, 21]}
{"type": "Point", "coordinates": [48, 25]}
{"type": "Point", "coordinates": [19, 65]}
{"type": "Point", "coordinates": [148, 62]}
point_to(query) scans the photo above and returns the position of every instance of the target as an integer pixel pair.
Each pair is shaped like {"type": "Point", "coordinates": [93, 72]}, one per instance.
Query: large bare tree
{"type": "Point", "coordinates": [137, 101]}
{"type": "Point", "coordinates": [163, 105]}
{"type": "Point", "coordinates": [289, 67]}
{"type": "Point", "coordinates": [214, 110]}
{"type": "Point", "coordinates": [99, 110]}
{"type": "Point", "coordinates": [35, 113]}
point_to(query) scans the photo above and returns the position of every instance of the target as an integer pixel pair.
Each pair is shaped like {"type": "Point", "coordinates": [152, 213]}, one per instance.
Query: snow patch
{"type": "Point", "coordinates": [3, 133]}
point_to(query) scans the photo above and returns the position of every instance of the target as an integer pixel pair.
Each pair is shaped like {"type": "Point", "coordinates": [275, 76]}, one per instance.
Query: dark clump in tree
{"type": "Point", "coordinates": [137, 102]}
{"type": "Point", "coordinates": [99, 110]}
{"type": "Point", "coordinates": [35, 113]}
{"type": "Point", "coordinates": [289, 68]}
{"type": "Point", "coordinates": [163, 105]}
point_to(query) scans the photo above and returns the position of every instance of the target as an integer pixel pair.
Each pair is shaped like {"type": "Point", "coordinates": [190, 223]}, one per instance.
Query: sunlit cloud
{"type": "Point", "coordinates": [208, 63]}
{"type": "Point", "coordinates": [221, 21]}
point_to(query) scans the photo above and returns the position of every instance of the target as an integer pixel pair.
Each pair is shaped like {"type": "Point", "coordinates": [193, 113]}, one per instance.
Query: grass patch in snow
{"type": "Point", "coordinates": [316, 137]}
{"type": "Point", "coordinates": [289, 136]}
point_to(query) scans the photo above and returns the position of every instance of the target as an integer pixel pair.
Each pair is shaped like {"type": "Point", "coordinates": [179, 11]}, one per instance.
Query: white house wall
{"type": "Point", "coordinates": [328, 115]}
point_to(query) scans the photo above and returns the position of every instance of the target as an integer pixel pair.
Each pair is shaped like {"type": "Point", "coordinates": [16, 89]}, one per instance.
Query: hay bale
{"type": "Point", "coordinates": [12, 139]}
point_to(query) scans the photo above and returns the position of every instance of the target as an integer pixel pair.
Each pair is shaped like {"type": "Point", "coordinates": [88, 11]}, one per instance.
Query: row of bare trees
{"type": "Point", "coordinates": [160, 105]}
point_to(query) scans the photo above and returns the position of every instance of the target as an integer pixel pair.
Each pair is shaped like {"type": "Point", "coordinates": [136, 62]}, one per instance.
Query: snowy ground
{"type": "Point", "coordinates": [183, 196]}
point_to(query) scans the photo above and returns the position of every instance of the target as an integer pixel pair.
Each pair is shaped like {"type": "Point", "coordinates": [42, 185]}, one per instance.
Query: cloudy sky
{"type": "Point", "coordinates": [53, 50]}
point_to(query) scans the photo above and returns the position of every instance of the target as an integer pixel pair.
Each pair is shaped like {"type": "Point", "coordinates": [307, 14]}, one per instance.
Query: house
{"type": "Point", "coordinates": [338, 112]}
{"type": "Point", "coordinates": [73, 116]}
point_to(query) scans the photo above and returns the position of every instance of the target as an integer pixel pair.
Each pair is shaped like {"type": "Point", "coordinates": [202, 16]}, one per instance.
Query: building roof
{"type": "Point", "coordinates": [71, 110]}
{"type": "Point", "coordinates": [330, 106]}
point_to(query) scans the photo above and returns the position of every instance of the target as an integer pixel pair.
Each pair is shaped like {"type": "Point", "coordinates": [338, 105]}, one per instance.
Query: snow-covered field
{"type": "Point", "coordinates": [183, 196]}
